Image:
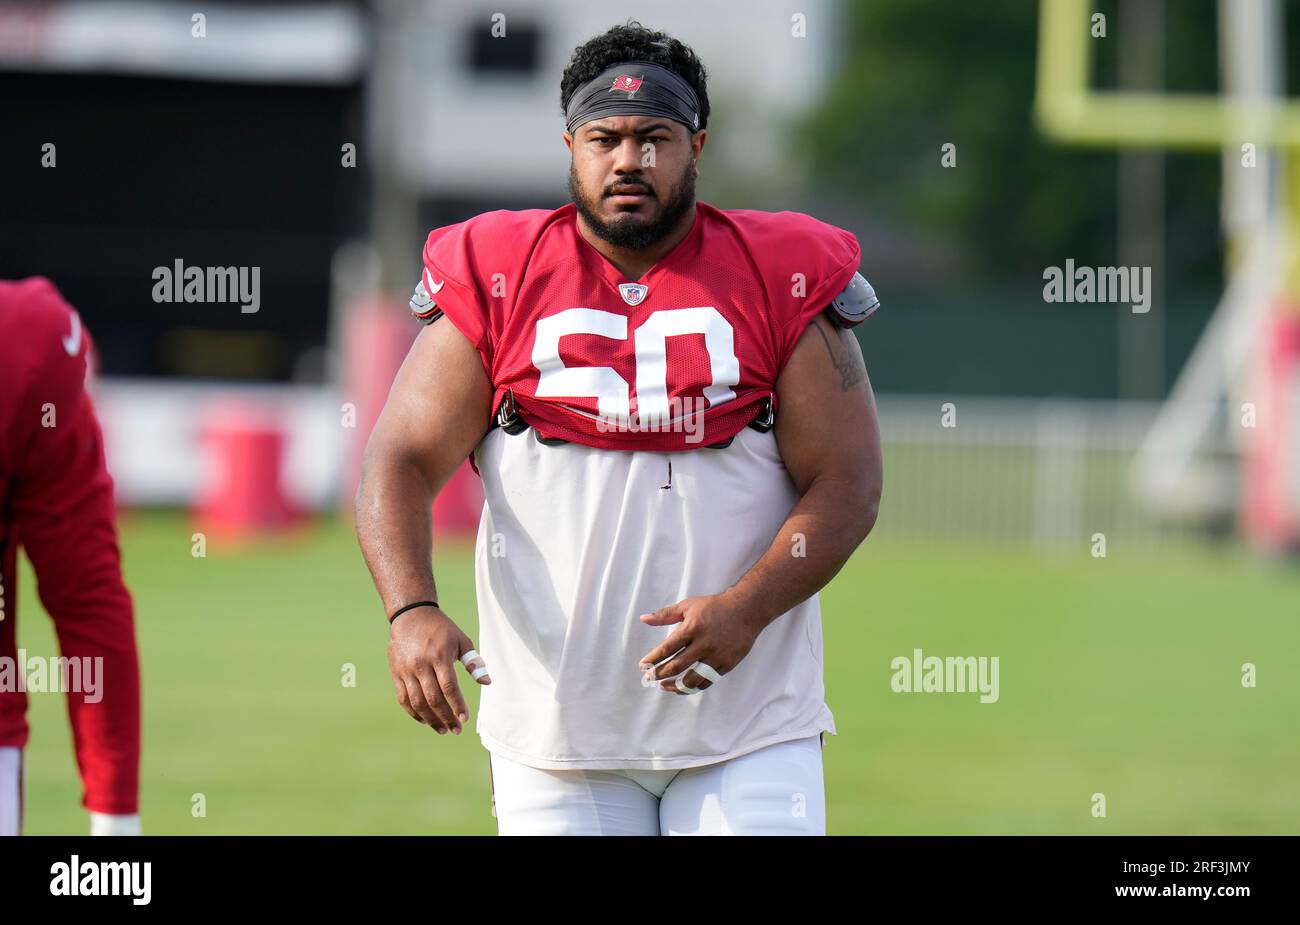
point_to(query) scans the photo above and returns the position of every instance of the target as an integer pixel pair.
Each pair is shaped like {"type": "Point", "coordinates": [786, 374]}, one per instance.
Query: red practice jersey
{"type": "Point", "coordinates": [56, 501]}
{"type": "Point", "coordinates": [598, 359]}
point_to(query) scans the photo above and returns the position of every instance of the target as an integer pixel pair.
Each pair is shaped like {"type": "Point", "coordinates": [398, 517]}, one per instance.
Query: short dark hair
{"type": "Point", "coordinates": [633, 41]}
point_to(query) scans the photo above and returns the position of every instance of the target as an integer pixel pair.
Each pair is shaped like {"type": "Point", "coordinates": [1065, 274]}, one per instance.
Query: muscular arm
{"type": "Point", "coordinates": [829, 438]}
{"type": "Point", "coordinates": [437, 412]}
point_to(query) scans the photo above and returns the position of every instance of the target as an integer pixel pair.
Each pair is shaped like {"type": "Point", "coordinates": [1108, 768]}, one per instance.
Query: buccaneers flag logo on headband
{"type": "Point", "coordinates": [627, 84]}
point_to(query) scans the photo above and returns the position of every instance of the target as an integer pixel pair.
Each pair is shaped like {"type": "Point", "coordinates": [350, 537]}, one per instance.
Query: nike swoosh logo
{"type": "Point", "coordinates": [428, 283]}
{"type": "Point", "coordinates": [72, 343]}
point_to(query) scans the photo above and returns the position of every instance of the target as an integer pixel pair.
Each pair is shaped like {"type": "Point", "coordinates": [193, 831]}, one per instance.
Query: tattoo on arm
{"type": "Point", "coordinates": [844, 357]}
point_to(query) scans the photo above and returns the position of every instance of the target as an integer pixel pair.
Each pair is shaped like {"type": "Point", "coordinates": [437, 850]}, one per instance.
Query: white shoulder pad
{"type": "Point", "coordinates": [855, 304]}
{"type": "Point", "coordinates": [422, 305]}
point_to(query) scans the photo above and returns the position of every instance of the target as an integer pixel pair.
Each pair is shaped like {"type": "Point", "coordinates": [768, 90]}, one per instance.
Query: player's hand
{"type": "Point", "coordinates": [713, 630]}
{"type": "Point", "coordinates": [423, 649]}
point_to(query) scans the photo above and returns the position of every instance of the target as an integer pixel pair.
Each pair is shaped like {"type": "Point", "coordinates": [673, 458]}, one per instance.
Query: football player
{"type": "Point", "coordinates": [678, 445]}
{"type": "Point", "coordinates": [56, 501]}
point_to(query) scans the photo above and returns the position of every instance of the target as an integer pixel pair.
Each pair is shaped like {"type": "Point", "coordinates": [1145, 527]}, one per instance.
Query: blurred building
{"type": "Point", "coordinates": [319, 143]}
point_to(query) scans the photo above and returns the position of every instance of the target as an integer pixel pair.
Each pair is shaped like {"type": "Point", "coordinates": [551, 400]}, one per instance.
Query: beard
{"type": "Point", "coordinates": [633, 233]}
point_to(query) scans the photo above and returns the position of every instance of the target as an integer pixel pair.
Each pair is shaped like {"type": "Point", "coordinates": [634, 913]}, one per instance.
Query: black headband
{"type": "Point", "coordinates": [634, 88]}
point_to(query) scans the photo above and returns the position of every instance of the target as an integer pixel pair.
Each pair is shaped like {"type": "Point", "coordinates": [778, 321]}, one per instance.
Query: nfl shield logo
{"type": "Point", "coordinates": [632, 293]}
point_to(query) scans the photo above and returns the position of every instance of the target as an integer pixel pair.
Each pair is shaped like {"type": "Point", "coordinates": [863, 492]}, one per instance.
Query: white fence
{"type": "Point", "coordinates": [1050, 472]}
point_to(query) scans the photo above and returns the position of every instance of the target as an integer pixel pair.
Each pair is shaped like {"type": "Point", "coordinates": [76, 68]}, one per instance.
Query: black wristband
{"type": "Point", "coordinates": [402, 610]}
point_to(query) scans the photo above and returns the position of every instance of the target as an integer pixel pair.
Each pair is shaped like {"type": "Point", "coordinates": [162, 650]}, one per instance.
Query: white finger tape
{"type": "Point", "coordinates": [706, 671]}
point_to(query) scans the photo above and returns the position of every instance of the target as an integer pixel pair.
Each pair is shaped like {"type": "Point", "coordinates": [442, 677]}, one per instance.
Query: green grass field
{"type": "Point", "coordinates": [1119, 676]}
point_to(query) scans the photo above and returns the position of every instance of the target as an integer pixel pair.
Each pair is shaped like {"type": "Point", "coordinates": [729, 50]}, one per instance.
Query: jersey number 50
{"type": "Point", "coordinates": [611, 390]}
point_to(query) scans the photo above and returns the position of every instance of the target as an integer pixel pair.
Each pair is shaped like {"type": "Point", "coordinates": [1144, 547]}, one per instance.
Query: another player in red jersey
{"type": "Point", "coordinates": [679, 448]}
{"type": "Point", "coordinates": [56, 502]}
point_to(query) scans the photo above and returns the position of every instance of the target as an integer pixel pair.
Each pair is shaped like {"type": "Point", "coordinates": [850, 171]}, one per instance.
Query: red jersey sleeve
{"type": "Point", "coordinates": [450, 280]}
{"type": "Point", "coordinates": [819, 261]}
{"type": "Point", "coordinates": [64, 517]}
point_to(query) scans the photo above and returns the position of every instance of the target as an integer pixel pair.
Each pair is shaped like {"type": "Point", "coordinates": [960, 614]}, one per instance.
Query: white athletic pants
{"type": "Point", "coordinates": [777, 790]}
{"type": "Point", "coordinates": [11, 790]}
